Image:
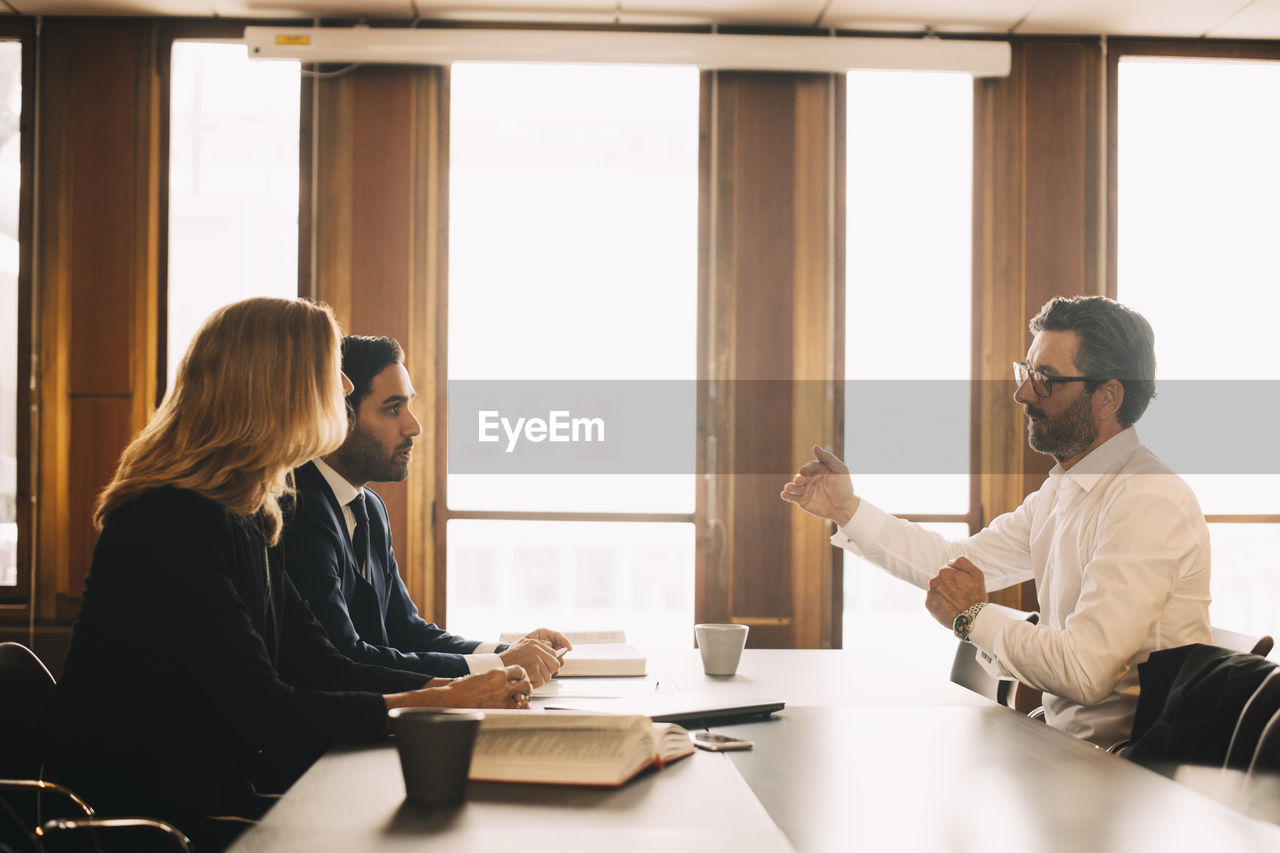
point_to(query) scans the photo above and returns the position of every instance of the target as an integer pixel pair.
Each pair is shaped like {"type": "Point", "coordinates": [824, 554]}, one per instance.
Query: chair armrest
{"type": "Point", "coordinates": [39, 786]}
{"type": "Point", "coordinates": [178, 840]}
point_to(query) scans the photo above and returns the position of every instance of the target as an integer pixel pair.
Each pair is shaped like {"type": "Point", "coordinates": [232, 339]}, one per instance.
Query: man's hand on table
{"type": "Point", "coordinates": [538, 658]}
{"type": "Point", "coordinates": [508, 687]}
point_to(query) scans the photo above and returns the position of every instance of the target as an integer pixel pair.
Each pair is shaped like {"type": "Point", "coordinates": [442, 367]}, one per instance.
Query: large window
{"type": "Point", "coordinates": [10, 187]}
{"type": "Point", "coordinates": [572, 287]}
{"type": "Point", "coordinates": [233, 183]}
{"type": "Point", "coordinates": [1197, 179]}
{"type": "Point", "coordinates": [907, 325]}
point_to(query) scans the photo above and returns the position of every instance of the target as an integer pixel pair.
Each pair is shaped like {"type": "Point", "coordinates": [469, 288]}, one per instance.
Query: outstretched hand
{"type": "Point", "coordinates": [822, 487]}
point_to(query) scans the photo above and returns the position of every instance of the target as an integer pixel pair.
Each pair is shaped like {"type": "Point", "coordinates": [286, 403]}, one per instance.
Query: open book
{"type": "Point", "coordinates": [597, 653]}
{"type": "Point", "coordinates": [572, 749]}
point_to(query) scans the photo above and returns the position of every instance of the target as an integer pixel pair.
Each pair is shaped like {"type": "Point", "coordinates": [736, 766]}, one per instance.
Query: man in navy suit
{"type": "Point", "coordinates": [337, 539]}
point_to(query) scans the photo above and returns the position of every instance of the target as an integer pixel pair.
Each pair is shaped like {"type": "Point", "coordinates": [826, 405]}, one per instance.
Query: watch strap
{"type": "Point", "coordinates": [963, 625]}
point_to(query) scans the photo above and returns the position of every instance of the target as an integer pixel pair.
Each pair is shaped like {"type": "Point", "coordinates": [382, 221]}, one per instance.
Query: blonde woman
{"type": "Point", "coordinates": [195, 669]}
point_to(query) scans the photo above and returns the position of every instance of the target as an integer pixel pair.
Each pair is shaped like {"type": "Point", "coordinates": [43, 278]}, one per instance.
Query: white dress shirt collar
{"type": "Point", "coordinates": [342, 490]}
{"type": "Point", "coordinates": [1107, 458]}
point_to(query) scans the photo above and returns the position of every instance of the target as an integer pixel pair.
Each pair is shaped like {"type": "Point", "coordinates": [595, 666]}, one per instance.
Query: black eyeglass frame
{"type": "Point", "coordinates": [1022, 371]}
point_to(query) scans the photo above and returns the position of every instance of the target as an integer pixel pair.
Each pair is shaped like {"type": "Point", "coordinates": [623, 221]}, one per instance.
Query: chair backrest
{"type": "Point", "coordinates": [968, 673]}
{"type": "Point", "coordinates": [1266, 758]}
{"type": "Point", "coordinates": [1260, 645]}
{"type": "Point", "coordinates": [1254, 716]}
{"type": "Point", "coordinates": [25, 685]}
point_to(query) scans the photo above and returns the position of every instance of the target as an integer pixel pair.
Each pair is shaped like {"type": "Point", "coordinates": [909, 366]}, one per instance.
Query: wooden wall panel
{"type": "Point", "coordinates": [771, 293]}
{"type": "Point", "coordinates": [1038, 209]}
{"type": "Point", "coordinates": [379, 202]}
{"type": "Point", "coordinates": [999, 308]}
{"type": "Point", "coordinates": [100, 429]}
{"type": "Point", "coordinates": [96, 290]}
{"type": "Point", "coordinates": [103, 126]}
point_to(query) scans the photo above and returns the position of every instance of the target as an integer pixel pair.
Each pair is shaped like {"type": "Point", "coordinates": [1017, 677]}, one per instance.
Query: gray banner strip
{"type": "Point", "coordinates": [914, 427]}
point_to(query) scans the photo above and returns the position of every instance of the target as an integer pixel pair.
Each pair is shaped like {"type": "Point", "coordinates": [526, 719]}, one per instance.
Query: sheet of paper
{"type": "Point", "coordinates": [596, 688]}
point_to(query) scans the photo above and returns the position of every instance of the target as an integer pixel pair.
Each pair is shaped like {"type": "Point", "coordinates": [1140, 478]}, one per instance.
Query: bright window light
{"type": "Point", "coordinates": [233, 183]}
{"type": "Point", "coordinates": [907, 325]}
{"type": "Point", "coordinates": [573, 576]}
{"type": "Point", "coordinates": [1196, 253]}
{"type": "Point", "coordinates": [908, 281]}
{"type": "Point", "coordinates": [10, 189]}
{"type": "Point", "coordinates": [573, 227]}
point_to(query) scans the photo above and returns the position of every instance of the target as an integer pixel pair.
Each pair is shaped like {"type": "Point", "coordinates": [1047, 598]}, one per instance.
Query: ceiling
{"type": "Point", "coordinates": [1255, 19]}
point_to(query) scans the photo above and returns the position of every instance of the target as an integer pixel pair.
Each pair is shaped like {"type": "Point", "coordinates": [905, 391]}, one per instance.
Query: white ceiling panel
{"type": "Point", "coordinates": [802, 13]}
{"type": "Point", "coordinates": [539, 11]}
{"type": "Point", "coordinates": [988, 16]}
{"type": "Point", "coordinates": [186, 8]}
{"type": "Point", "coordinates": [1191, 18]}
{"type": "Point", "coordinates": [313, 8]}
{"type": "Point", "coordinates": [1260, 19]}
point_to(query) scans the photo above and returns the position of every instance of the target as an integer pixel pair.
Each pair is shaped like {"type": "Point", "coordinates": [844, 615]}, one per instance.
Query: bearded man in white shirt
{"type": "Point", "coordinates": [1114, 540]}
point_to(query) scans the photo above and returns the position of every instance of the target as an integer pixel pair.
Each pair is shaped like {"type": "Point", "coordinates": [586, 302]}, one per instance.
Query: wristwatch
{"type": "Point", "coordinates": [964, 622]}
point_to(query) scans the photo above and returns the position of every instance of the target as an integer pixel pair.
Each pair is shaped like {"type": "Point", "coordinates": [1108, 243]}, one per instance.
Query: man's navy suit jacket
{"type": "Point", "coordinates": [370, 619]}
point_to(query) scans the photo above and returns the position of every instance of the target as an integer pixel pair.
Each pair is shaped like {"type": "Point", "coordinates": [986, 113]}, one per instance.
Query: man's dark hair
{"type": "Point", "coordinates": [364, 357]}
{"type": "Point", "coordinates": [1115, 343]}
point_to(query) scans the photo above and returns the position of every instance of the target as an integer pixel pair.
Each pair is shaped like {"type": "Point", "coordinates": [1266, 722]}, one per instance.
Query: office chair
{"type": "Point", "coordinates": [1251, 643]}
{"type": "Point", "coordinates": [1266, 758]}
{"type": "Point", "coordinates": [968, 673]}
{"type": "Point", "coordinates": [25, 686]}
{"type": "Point", "coordinates": [1254, 717]}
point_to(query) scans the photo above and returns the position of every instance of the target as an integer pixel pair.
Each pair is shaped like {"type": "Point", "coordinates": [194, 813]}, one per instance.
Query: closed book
{"type": "Point", "coordinates": [555, 748]}
{"type": "Point", "coordinates": [597, 653]}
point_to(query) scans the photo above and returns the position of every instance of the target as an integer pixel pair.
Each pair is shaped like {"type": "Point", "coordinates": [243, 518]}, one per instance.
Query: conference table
{"type": "Point", "coordinates": [858, 760]}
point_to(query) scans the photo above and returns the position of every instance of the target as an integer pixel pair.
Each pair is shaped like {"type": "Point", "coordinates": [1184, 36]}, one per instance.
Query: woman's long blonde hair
{"type": "Point", "coordinates": [257, 394]}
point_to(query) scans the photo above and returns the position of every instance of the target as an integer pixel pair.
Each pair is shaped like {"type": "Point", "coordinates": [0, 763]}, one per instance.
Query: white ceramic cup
{"type": "Point", "coordinates": [721, 647]}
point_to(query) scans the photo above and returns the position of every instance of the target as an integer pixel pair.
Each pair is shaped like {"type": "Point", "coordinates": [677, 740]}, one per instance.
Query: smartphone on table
{"type": "Point", "coordinates": [716, 742]}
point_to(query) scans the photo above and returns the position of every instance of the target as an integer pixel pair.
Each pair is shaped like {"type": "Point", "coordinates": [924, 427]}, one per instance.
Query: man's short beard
{"type": "Point", "coordinates": [367, 461]}
{"type": "Point", "coordinates": [1068, 434]}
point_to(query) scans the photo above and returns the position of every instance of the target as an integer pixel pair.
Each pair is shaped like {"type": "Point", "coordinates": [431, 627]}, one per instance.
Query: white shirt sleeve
{"type": "Point", "coordinates": [915, 555]}
{"type": "Point", "coordinates": [1145, 544]}
{"type": "Point", "coordinates": [483, 659]}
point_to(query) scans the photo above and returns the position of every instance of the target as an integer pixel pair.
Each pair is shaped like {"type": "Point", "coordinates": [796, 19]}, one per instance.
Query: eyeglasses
{"type": "Point", "coordinates": [1042, 383]}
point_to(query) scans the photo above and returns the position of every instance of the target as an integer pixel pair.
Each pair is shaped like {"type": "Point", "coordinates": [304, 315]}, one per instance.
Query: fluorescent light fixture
{"type": "Point", "coordinates": [704, 50]}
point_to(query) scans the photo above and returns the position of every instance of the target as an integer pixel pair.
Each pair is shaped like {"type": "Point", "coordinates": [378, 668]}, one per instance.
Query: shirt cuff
{"type": "Point", "coordinates": [990, 622]}
{"type": "Point", "coordinates": [485, 649]}
{"type": "Point", "coordinates": [864, 526]}
{"type": "Point", "coordinates": [479, 663]}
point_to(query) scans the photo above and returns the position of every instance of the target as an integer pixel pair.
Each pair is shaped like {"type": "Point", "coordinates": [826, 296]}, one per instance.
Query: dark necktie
{"type": "Point", "coordinates": [360, 538]}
